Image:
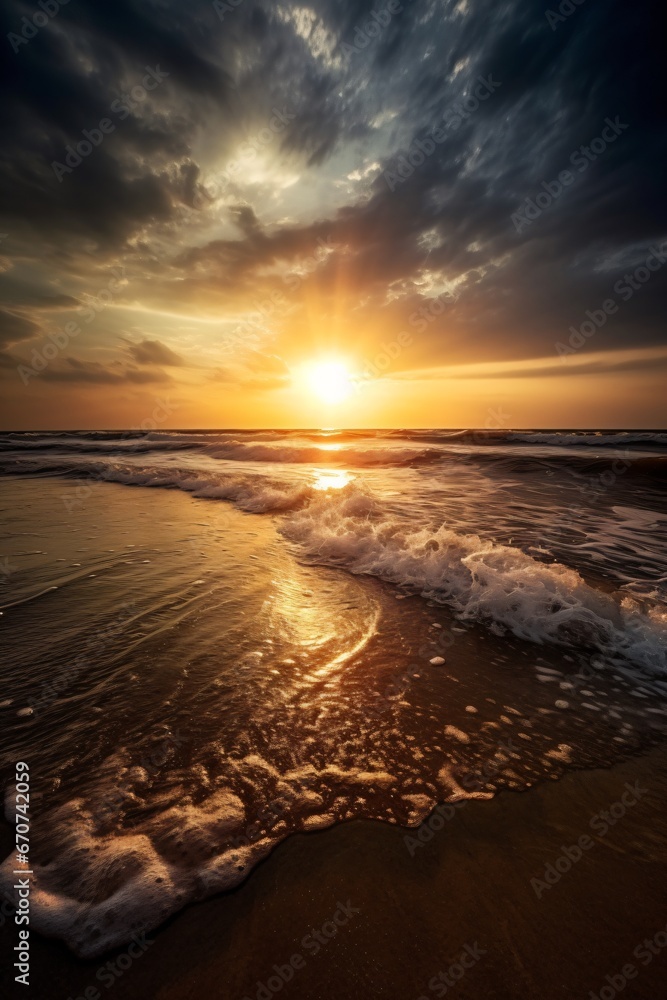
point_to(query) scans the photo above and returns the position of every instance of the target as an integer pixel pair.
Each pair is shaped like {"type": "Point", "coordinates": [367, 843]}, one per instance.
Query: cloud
{"type": "Point", "coordinates": [152, 352]}
{"type": "Point", "coordinates": [14, 328]}
{"type": "Point", "coordinates": [351, 118]}
{"type": "Point", "coordinates": [73, 369]}
{"type": "Point", "coordinates": [584, 363]}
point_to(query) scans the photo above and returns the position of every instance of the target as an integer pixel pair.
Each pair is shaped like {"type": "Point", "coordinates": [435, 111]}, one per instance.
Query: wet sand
{"type": "Point", "coordinates": [421, 901]}
{"type": "Point", "coordinates": [469, 885]}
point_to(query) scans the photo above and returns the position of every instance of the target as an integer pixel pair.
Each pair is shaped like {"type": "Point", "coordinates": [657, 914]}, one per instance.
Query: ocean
{"type": "Point", "coordinates": [218, 639]}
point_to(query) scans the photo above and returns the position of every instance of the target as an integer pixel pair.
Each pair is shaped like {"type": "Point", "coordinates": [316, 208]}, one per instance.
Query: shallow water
{"type": "Point", "coordinates": [190, 681]}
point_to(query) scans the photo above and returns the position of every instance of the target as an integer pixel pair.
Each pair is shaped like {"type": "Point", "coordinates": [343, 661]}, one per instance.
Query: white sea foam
{"type": "Point", "coordinates": [103, 883]}
{"type": "Point", "coordinates": [499, 585]}
{"type": "Point", "coordinates": [131, 882]}
{"type": "Point", "coordinates": [481, 580]}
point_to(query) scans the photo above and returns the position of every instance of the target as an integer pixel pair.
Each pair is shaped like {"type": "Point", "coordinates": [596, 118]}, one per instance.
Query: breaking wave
{"type": "Point", "coordinates": [498, 585]}
{"type": "Point", "coordinates": [101, 875]}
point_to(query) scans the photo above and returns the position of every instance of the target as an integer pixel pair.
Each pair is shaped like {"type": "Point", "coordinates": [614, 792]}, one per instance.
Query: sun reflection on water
{"type": "Point", "coordinates": [328, 479]}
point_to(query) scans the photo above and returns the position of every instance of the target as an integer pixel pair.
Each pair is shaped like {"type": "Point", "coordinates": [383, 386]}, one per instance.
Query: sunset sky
{"type": "Point", "coordinates": [332, 213]}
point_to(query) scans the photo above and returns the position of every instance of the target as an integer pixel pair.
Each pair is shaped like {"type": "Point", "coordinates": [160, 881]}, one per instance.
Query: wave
{"type": "Point", "coordinates": [592, 439]}
{"type": "Point", "coordinates": [130, 443]}
{"type": "Point", "coordinates": [555, 439]}
{"type": "Point", "coordinates": [583, 464]}
{"type": "Point", "coordinates": [235, 450]}
{"type": "Point", "coordinates": [281, 445]}
{"type": "Point", "coordinates": [176, 850]}
{"type": "Point", "coordinates": [111, 870]}
{"type": "Point", "coordinates": [550, 438]}
{"type": "Point", "coordinates": [255, 495]}
{"type": "Point", "coordinates": [295, 455]}
{"type": "Point", "coordinates": [498, 585]}
{"type": "Point", "coordinates": [16, 457]}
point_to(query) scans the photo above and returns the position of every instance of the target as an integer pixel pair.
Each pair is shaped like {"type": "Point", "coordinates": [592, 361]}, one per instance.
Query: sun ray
{"type": "Point", "coordinates": [329, 380]}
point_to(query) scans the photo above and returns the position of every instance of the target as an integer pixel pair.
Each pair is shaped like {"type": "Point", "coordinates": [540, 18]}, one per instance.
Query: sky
{"type": "Point", "coordinates": [411, 213]}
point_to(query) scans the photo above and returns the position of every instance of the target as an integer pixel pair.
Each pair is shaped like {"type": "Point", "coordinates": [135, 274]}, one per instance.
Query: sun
{"type": "Point", "coordinates": [329, 380]}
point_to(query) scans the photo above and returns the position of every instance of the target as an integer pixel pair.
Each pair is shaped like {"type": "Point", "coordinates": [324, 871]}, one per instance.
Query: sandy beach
{"type": "Point", "coordinates": [259, 775]}
{"type": "Point", "coordinates": [469, 885]}
{"type": "Point", "coordinates": [333, 500]}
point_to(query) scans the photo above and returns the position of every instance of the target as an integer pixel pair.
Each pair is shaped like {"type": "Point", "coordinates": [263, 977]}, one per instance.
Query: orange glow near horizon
{"type": "Point", "coordinates": [322, 389]}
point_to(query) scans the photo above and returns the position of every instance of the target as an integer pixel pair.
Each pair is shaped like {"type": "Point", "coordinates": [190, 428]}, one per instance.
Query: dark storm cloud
{"type": "Point", "coordinates": [556, 90]}
{"type": "Point", "coordinates": [355, 95]}
{"type": "Point", "coordinates": [75, 72]}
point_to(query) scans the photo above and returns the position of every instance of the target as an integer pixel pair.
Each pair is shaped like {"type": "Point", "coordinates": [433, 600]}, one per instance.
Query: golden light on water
{"type": "Point", "coordinates": [310, 622]}
{"type": "Point", "coordinates": [327, 479]}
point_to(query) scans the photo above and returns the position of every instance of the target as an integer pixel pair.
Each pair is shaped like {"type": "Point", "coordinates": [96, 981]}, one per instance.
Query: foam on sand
{"type": "Point", "coordinates": [102, 881]}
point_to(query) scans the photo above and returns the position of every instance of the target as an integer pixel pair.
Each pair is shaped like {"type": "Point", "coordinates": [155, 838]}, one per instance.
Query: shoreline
{"type": "Point", "coordinates": [388, 697]}
{"type": "Point", "coordinates": [465, 893]}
